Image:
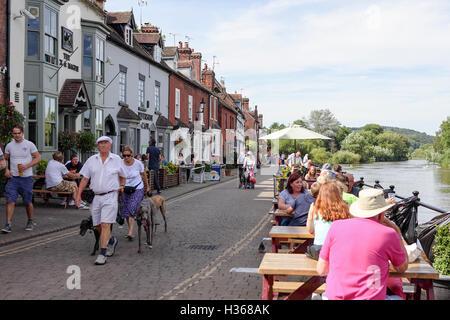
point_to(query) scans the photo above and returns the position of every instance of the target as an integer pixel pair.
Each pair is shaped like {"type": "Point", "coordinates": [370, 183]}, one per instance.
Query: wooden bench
{"type": "Point", "coordinates": [47, 193]}
{"type": "Point", "coordinates": [419, 273]}
{"type": "Point", "coordinates": [291, 286]}
{"type": "Point", "coordinates": [292, 235]}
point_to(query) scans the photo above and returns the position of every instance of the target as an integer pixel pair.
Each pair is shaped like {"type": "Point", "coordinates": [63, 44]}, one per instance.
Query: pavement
{"type": "Point", "coordinates": [54, 218]}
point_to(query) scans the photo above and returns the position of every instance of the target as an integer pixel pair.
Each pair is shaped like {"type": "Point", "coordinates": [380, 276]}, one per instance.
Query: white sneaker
{"type": "Point", "coordinates": [83, 207]}
{"type": "Point", "coordinates": [101, 260]}
{"type": "Point", "coordinates": [63, 203]}
{"type": "Point", "coordinates": [71, 203]}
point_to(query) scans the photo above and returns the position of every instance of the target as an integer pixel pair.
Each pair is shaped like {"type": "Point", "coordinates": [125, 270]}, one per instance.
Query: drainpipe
{"type": "Point", "coordinates": [8, 38]}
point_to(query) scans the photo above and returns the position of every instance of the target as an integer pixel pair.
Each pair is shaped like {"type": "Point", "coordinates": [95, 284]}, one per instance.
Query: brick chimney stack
{"type": "Point", "coordinates": [184, 53]}
{"type": "Point", "coordinates": [208, 77]}
{"type": "Point", "coordinates": [99, 3]}
{"type": "Point", "coordinates": [197, 64]}
{"type": "Point", "coordinates": [149, 29]}
{"type": "Point", "coordinates": [260, 117]}
{"type": "Point", "coordinates": [245, 103]}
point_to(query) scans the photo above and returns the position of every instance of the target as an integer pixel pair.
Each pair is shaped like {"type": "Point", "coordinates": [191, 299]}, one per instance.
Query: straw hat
{"type": "Point", "coordinates": [370, 203]}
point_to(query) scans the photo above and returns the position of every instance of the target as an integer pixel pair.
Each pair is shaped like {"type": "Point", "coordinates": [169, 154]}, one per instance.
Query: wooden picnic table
{"type": "Point", "coordinates": [285, 233]}
{"type": "Point", "coordinates": [278, 215]}
{"type": "Point", "coordinates": [420, 273]}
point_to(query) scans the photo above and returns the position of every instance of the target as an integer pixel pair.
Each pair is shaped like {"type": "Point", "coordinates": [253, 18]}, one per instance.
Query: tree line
{"type": "Point", "coordinates": [439, 150]}
{"type": "Point", "coordinates": [371, 143]}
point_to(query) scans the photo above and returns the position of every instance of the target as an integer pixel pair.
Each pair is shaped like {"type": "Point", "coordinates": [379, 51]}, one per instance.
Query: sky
{"type": "Point", "coordinates": [378, 61]}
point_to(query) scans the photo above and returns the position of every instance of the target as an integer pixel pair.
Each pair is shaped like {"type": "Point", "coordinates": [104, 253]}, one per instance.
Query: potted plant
{"type": "Point", "coordinates": [228, 168]}
{"type": "Point", "coordinates": [207, 171]}
{"type": "Point", "coordinates": [85, 142]}
{"type": "Point", "coordinates": [198, 174]}
{"type": "Point", "coordinates": [41, 166]}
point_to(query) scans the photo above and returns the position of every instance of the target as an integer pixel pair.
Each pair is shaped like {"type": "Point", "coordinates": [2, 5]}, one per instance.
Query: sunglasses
{"type": "Point", "coordinates": [126, 155]}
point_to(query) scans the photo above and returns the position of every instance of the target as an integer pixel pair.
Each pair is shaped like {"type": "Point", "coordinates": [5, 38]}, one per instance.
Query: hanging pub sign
{"type": "Point", "coordinates": [67, 39]}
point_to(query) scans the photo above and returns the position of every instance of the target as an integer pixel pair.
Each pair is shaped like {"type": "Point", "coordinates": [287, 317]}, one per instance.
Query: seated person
{"type": "Point", "coordinates": [328, 207]}
{"type": "Point", "coordinates": [346, 196]}
{"type": "Point", "coordinates": [327, 167]}
{"type": "Point", "coordinates": [371, 242]}
{"type": "Point", "coordinates": [163, 160]}
{"type": "Point", "coordinates": [180, 159]}
{"type": "Point", "coordinates": [54, 174]}
{"type": "Point", "coordinates": [295, 199]}
{"type": "Point", "coordinates": [312, 173]}
{"type": "Point", "coordinates": [337, 169]}
{"type": "Point", "coordinates": [351, 183]}
{"type": "Point", "coordinates": [74, 165]}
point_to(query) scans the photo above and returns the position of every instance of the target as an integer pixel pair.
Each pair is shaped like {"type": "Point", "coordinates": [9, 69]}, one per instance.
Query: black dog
{"type": "Point", "coordinates": [85, 225]}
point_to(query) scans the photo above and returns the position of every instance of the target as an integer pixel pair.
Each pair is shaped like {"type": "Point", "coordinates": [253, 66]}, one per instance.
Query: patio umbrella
{"type": "Point", "coordinates": [294, 132]}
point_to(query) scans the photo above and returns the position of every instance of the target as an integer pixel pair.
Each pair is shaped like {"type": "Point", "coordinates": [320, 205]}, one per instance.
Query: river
{"type": "Point", "coordinates": [432, 182]}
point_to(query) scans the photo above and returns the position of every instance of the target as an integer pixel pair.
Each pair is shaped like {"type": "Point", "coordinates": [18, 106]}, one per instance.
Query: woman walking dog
{"type": "Point", "coordinates": [133, 192]}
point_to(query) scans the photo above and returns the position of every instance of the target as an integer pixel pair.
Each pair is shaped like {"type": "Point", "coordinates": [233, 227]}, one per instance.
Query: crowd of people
{"type": "Point", "coordinates": [354, 242]}
{"type": "Point", "coordinates": [116, 182]}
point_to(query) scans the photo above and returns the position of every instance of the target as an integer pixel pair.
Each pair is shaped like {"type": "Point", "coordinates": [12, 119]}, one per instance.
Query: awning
{"type": "Point", "coordinates": [74, 96]}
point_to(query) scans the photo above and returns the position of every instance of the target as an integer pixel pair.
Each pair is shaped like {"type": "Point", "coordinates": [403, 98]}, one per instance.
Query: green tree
{"type": "Point", "coordinates": [395, 142]}
{"type": "Point", "coordinates": [442, 143]}
{"type": "Point", "coordinates": [323, 122]}
{"type": "Point", "coordinates": [359, 142]}
{"type": "Point", "coordinates": [374, 128]}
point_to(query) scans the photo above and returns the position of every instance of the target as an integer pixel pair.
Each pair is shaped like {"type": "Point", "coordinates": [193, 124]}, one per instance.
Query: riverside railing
{"type": "Point", "coordinates": [417, 201]}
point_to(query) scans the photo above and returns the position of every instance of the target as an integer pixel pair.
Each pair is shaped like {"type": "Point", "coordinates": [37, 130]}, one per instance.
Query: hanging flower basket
{"type": "Point", "coordinates": [178, 141]}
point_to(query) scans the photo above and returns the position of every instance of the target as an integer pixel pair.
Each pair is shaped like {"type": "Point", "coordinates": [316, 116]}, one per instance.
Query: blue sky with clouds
{"type": "Point", "coordinates": [380, 61]}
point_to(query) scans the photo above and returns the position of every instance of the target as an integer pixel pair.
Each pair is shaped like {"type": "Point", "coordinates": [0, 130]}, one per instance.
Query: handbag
{"type": "Point", "coordinates": [130, 190]}
{"type": "Point", "coordinates": [313, 251]}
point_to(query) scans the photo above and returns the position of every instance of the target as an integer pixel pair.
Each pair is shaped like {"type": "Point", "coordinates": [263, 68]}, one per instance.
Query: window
{"type": "Point", "coordinates": [157, 95]}
{"type": "Point", "coordinates": [215, 109]}
{"type": "Point", "coordinates": [210, 107]}
{"type": "Point", "coordinates": [141, 92]}
{"type": "Point", "coordinates": [98, 123]}
{"type": "Point", "coordinates": [32, 113]}
{"type": "Point", "coordinates": [50, 122]}
{"type": "Point", "coordinates": [177, 103]}
{"type": "Point", "coordinates": [33, 35]}
{"type": "Point", "coordinates": [51, 36]}
{"type": "Point", "coordinates": [190, 105]}
{"type": "Point", "coordinates": [87, 57]}
{"type": "Point", "coordinates": [123, 87]}
{"type": "Point", "coordinates": [87, 120]}
{"type": "Point", "coordinates": [129, 36]}
{"type": "Point", "coordinates": [99, 60]}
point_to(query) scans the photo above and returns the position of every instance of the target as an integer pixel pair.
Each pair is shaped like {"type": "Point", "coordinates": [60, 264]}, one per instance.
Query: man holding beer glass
{"type": "Point", "coordinates": [22, 156]}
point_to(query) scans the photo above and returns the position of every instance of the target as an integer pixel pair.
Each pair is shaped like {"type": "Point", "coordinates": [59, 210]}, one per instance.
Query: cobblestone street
{"type": "Point", "coordinates": [210, 231]}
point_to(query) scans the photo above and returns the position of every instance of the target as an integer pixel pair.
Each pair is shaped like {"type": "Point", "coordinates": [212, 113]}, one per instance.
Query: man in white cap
{"type": "Point", "coordinates": [107, 179]}
{"type": "Point", "coordinates": [356, 253]}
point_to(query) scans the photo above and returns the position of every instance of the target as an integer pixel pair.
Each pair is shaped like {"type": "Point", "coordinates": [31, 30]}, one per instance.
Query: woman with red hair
{"type": "Point", "coordinates": [295, 199]}
{"type": "Point", "coordinates": [329, 207]}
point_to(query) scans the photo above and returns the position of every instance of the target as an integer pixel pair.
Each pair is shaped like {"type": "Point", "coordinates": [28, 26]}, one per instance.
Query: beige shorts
{"type": "Point", "coordinates": [104, 208]}
{"type": "Point", "coordinates": [64, 186]}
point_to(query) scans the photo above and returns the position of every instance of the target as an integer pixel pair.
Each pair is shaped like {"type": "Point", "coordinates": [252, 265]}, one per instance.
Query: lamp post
{"type": "Point", "coordinates": [202, 109]}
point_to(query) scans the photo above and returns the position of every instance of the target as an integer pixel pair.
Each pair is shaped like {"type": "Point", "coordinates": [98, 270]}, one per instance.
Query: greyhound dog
{"type": "Point", "coordinates": [85, 225]}
{"type": "Point", "coordinates": [145, 216]}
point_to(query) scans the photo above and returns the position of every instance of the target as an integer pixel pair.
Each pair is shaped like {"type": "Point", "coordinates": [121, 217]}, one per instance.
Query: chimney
{"type": "Point", "coordinates": [260, 120]}
{"type": "Point", "coordinates": [186, 45]}
{"type": "Point", "coordinates": [184, 53]}
{"type": "Point", "coordinates": [149, 29]}
{"type": "Point", "coordinates": [245, 103]}
{"type": "Point", "coordinates": [180, 45]}
{"type": "Point", "coordinates": [208, 77]}
{"type": "Point", "coordinates": [197, 62]}
{"type": "Point", "coordinates": [99, 3]}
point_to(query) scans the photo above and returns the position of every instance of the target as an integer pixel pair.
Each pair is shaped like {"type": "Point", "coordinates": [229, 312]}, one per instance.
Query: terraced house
{"type": "Point", "coordinates": [57, 72]}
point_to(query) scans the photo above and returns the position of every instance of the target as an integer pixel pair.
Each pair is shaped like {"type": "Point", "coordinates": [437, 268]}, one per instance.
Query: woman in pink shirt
{"type": "Point", "coordinates": [356, 253]}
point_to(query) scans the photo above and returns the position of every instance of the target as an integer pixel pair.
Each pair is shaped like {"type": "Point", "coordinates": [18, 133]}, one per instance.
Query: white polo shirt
{"type": "Point", "coordinates": [20, 152]}
{"type": "Point", "coordinates": [104, 176]}
{"type": "Point", "coordinates": [54, 173]}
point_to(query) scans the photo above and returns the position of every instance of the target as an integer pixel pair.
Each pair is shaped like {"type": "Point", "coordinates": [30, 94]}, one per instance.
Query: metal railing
{"type": "Point", "coordinates": [377, 185]}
